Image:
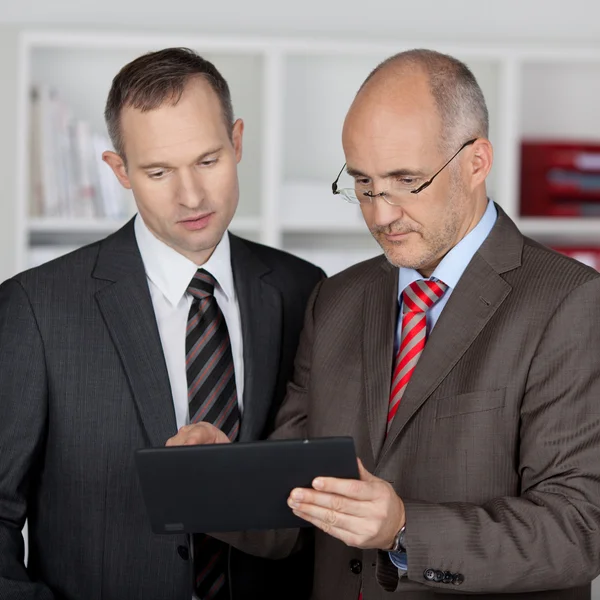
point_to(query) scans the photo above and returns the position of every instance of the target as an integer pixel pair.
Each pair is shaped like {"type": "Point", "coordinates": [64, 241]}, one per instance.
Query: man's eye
{"type": "Point", "coordinates": [208, 163]}
{"type": "Point", "coordinates": [362, 181]}
{"type": "Point", "coordinates": [156, 174]}
{"type": "Point", "coordinates": [408, 181]}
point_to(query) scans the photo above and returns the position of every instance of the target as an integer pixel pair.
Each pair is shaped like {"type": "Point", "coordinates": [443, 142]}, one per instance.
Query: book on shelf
{"type": "Point", "coordinates": [68, 177]}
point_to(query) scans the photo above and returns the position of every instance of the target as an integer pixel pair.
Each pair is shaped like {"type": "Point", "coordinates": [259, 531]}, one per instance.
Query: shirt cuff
{"type": "Point", "coordinates": [399, 559]}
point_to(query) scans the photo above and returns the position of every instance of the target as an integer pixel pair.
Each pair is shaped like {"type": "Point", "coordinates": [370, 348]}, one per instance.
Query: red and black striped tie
{"type": "Point", "coordinates": [212, 397]}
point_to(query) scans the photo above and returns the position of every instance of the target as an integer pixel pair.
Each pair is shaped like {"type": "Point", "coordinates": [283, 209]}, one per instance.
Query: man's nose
{"type": "Point", "coordinates": [191, 191]}
{"type": "Point", "coordinates": [383, 213]}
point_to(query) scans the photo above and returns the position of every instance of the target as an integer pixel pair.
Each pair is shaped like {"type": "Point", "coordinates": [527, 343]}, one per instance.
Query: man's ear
{"type": "Point", "coordinates": [236, 137]}
{"type": "Point", "coordinates": [116, 163]}
{"type": "Point", "coordinates": [481, 161]}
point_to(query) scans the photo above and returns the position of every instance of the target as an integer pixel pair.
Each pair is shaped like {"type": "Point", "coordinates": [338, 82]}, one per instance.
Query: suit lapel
{"type": "Point", "coordinates": [127, 309]}
{"type": "Point", "coordinates": [379, 322]}
{"type": "Point", "coordinates": [261, 315]}
{"type": "Point", "coordinates": [479, 293]}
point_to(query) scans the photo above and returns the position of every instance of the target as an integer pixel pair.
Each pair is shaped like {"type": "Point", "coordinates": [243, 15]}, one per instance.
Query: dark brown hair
{"type": "Point", "coordinates": [155, 78]}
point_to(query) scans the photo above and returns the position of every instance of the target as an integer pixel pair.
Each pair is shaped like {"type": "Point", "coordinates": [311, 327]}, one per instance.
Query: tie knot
{"type": "Point", "coordinates": [422, 294]}
{"type": "Point", "coordinates": [202, 284]}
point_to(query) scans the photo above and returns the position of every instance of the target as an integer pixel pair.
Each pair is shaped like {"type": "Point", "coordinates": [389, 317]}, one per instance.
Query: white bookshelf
{"type": "Point", "coordinates": [293, 95]}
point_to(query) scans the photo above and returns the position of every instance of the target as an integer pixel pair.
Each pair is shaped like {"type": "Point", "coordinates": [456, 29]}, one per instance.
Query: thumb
{"type": "Point", "coordinates": [213, 435]}
{"type": "Point", "coordinates": [221, 438]}
{"type": "Point", "coordinates": [363, 473]}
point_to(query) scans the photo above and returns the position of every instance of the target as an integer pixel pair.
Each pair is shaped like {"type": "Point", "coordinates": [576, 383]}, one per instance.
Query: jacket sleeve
{"type": "Point", "coordinates": [23, 408]}
{"type": "Point", "coordinates": [549, 536]}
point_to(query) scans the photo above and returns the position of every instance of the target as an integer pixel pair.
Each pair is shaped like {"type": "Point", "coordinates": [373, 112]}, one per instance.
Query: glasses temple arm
{"type": "Point", "coordinates": [334, 187]}
{"type": "Point", "coordinates": [430, 180]}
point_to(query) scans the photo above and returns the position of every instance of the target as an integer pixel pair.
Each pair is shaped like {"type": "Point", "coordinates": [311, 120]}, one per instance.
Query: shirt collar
{"type": "Point", "coordinates": [453, 265]}
{"type": "Point", "coordinates": [172, 272]}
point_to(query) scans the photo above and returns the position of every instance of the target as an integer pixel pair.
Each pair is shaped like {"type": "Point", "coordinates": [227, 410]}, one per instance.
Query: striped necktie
{"type": "Point", "coordinates": [417, 299]}
{"type": "Point", "coordinates": [212, 394]}
{"type": "Point", "coordinates": [212, 397]}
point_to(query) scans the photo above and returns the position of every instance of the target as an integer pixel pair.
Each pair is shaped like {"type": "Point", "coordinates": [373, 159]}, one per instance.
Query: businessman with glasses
{"type": "Point", "coordinates": [464, 363]}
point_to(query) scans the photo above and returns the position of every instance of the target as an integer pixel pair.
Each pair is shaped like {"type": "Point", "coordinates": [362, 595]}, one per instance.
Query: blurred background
{"type": "Point", "coordinates": [293, 68]}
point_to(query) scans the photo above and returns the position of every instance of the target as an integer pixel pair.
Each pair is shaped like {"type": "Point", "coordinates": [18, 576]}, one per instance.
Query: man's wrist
{"type": "Point", "coordinates": [401, 525]}
{"type": "Point", "coordinates": [398, 543]}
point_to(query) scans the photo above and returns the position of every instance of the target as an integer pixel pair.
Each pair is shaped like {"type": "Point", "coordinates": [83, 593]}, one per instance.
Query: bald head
{"type": "Point", "coordinates": [415, 141]}
{"type": "Point", "coordinates": [392, 107]}
{"type": "Point", "coordinates": [442, 82]}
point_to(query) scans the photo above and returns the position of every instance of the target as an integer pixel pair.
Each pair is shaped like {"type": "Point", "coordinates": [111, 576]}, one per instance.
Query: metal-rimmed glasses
{"type": "Point", "coordinates": [404, 186]}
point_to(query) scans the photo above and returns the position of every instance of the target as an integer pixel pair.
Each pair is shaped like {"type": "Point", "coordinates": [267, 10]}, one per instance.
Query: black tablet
{"type": "Point", "coordinates": [236, 487]}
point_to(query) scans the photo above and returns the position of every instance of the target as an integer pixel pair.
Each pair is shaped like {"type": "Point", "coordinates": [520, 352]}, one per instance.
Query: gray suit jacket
{"type": "Point", "coordinates": [495, 448]}
{"type": "Point", "coordinates": [83, 383]}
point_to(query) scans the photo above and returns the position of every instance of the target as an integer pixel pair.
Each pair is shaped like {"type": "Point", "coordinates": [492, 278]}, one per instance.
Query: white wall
{"type": "Point", "coordinates": [526, 20]}
{"type": "Point", "coordinates": [8, 132]}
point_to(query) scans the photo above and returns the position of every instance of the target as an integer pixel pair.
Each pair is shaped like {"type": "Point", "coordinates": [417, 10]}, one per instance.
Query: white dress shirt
{"type": "Point", "coordinates": [169, 274]}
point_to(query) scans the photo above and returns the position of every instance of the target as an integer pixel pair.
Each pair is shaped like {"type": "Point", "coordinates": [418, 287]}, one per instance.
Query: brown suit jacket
{"type": "Point", "coordinates": [495, 448]}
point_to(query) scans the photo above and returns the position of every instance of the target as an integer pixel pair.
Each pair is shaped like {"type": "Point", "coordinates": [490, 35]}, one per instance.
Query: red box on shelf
{"type": "Point", "coordinates": [560, 179]}
{"type": "Point", "coordinates": [589, 256]}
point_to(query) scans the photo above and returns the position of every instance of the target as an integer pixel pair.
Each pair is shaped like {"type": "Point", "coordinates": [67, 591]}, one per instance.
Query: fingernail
{"type": "Point", "coordinates": [297, 495]}
{"type": "Point", "coordinates": [293, 504]}
{"type": "Point", "coordinates": [318, 484]}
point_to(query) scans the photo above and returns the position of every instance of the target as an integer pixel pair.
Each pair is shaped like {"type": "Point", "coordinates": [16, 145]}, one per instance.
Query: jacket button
{"type": "Point", "coordinates": [356, 566]}
{"type": "Point", "coordinates": [183, 552]}
{"type": "Point", "coordinates": [459, 579]}
{"type": "Point", "coordinates": [438, 576]}
{"type": "Point", "coordinates": [448, 577]}
{"type": "Point", "coordinates": [429, 574]}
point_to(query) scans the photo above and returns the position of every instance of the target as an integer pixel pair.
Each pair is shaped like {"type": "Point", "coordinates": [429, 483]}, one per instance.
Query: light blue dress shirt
{"type": "Point", "coordinates": [450, 270]}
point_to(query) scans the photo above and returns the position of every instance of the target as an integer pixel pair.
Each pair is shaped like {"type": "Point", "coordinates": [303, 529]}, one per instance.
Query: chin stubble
{"type": "Point", "coordinates": [435, 247]}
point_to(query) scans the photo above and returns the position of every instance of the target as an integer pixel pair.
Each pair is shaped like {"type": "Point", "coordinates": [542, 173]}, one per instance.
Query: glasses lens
{"type": "Point", "coordinates": [349, 195]}
{"type": "Point", "coordinates": [346, 187]}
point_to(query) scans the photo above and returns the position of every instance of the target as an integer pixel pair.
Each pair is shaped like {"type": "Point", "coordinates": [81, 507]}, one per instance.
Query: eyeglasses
{"type": "Point", "coordinates": [402, 189]}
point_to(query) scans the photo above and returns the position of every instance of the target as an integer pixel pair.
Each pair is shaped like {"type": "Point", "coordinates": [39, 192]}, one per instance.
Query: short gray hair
{"type": "Point", "coordinates": [455, 90]}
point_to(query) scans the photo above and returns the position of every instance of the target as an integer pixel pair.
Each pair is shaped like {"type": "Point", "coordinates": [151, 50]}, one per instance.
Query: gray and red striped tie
{"type": "Point", "coordinates": [417, 299]}
{"type": "Point", "coordinates": [212, 397]}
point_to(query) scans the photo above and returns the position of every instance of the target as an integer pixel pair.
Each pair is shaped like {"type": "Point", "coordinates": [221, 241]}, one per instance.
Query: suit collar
{"type": "Point", "coordinates": [503, 248]}
{"type": "Point", "coordinates": [245, 258]}
{"type": "Point", "coordinates": [127, 309]}
{"type": "Point", "coordinates": [119, 256]}
{"type": "Point", "coordinates": [261, 313]}
{"type": "Point", "coordinates": [477, 296]}
{"type": "Point", "coordinates": [380, 312]}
